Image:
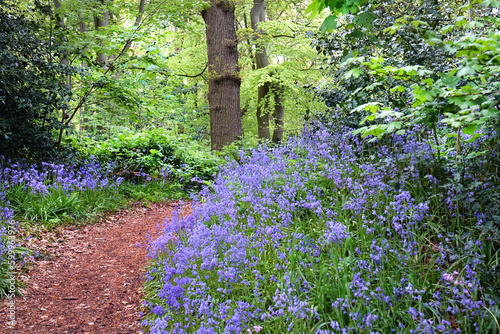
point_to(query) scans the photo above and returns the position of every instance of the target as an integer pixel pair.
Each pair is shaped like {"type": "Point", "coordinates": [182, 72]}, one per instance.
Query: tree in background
{"type": "Point", "coordinates": [267, 90]}
{"type": "Point", "coordinates": [283, 65]}
{"type": "Point", "coordinates": [147, 67]}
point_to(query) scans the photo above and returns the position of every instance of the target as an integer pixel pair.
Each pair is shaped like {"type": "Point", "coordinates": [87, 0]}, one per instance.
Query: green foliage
{"type": "Point", "coordinates": [32, 85]}
{"type": "Point", "coordinates": [153, 191]}
{"type": "Point", "coordinates": [418, 65]}
{"type": "Point", "coordinates": [158, 153]}
{"type": "Point", "coordinates": [467, 93]}
{"type": "Point", "coordinates": [7, 276]}
{"type": "Point", "coordinates": [349, 86]}
{"type": "Point", "coordinates": [59, 207]}
{"type": "Point", "coordinates": [294, 66]}
{"type": "Point", "coordinates": [338, 8]}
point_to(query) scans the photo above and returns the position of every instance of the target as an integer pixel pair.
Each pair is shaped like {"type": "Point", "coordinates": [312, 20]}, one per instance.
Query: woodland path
{"type": "Point", "coordinates": [91, 281]}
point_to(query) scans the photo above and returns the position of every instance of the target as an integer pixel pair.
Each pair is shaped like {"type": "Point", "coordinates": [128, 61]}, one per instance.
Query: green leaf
{"type": "Point", "coordinates": [393, 126]}
{"type": "Point", "coordinates": [151, 67]}
{"type": "Point", "coordinates": [491, 3]}
{"type": "Point", "coordinates": [466, 70]}
{"type": "Point", "coordinates": [329, 24]}
{"type": "Point", "coordinates": [355, 72]}
{"type": "Point", "coordinates": [398, 88]}
{"type": "Point", "coordinates": [372, 106]}
{"type": "Point", "coordinates": [315, 7]}
{"type": "Point", "coordinates": [365, 19]}
{"type": "Point", "coordinates": [367, 118]}
{"type": "Point", "coordinates": [450, 80]}
{"type": "Point", "coordinates": [470, 129]}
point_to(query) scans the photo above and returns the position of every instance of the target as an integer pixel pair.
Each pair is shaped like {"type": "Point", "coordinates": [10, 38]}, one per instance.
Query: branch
{"type": "Point", "coordinates": [93, 86]}
{"type": "Point", "coordinates": [193, 76]}
{"type": "Point", "coordinates": [176, 74]}
{"type": "Point", "coordinates": [276, 36]}
{"type": "Point", "coordinates": [125, 47]}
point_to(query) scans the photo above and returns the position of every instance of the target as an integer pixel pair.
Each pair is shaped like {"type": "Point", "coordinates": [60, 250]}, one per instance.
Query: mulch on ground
{"type": "Point", "coordinates": [91, 281]}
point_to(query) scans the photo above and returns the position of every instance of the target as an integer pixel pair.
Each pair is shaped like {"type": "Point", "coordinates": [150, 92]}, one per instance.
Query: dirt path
{"type": "Point", "coordinates": [92, 281]}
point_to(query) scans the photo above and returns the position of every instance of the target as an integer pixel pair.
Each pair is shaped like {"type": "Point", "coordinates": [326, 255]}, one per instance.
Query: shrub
{"type": "Point", "coordinates": [157, 153]}
{"type": "Point", "coordinates": [32, 86]}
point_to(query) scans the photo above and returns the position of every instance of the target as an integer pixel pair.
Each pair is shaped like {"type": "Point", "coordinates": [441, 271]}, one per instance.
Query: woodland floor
{"type": "Point", "coordinates": [89, 280]}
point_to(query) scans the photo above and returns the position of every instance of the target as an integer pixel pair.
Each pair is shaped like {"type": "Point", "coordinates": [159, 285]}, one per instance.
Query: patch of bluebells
{"type": "Point", "coordinates": [42, 180]}
{"type": "Point", "coordinates": [49, 176]}
{"type": "Point", "coordinates": [286, 238]}
{"type": "Point", "coordinates": [6, 223]}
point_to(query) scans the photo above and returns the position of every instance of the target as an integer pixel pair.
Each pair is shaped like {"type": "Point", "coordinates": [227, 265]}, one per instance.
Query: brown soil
{"type": "Point", "coordinates": [91, 281]}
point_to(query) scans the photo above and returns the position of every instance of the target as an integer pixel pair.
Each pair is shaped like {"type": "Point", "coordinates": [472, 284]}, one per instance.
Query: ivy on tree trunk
{"type": "Point", "coordinates": [224, 78]}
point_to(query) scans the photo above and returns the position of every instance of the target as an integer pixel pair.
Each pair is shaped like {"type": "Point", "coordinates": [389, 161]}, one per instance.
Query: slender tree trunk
{"type": "Point", "coordinates": [262, 112]}
{"type": "Point", "coordinates": [258, 15]}
{"type": "Point", "coordinates": [60, 25]}
{"type": "Point", "coordinates": [278, 115]}
{"type": "Point", "coordinates": [224, 78]}
{"type": "Point", "coordinates": [99, 23]}
{"type": "Point", "coordinates": [138, 20]}
{"type": "Point", "coordinates": [83, 30]}
{"type": "Point", "coordinates": [65, 61]}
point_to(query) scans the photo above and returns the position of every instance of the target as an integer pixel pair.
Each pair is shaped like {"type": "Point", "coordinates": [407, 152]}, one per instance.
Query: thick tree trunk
{"type": "Point", "coordinates": [257, 15]}
{"type": "Point", "coordinates": [224, 78]}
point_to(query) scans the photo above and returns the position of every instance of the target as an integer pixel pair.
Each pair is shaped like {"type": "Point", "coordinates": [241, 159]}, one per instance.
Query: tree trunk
{"type": "Point", "coordinates": [257, 15]}
{"type": "Point", "coordinates": [278, 115]}
{"type": "Point", "coordinates": [224, 79]}
{"type": "Point", "coordinates": [100, 22]}
{"type": "Point", "coordinates": [262, 112]}
{"type": "Point", "coordinates": [60, 25]}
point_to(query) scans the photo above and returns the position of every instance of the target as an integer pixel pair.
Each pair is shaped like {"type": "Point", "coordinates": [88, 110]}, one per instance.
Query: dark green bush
{"type": "Point", "coordinates": [157, 153]}
{"type": "Point", "coordinates": [32, 86]}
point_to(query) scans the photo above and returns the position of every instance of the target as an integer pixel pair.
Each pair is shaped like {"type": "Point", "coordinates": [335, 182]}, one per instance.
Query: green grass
{"type": "Point", "coordinates": [58, 208]}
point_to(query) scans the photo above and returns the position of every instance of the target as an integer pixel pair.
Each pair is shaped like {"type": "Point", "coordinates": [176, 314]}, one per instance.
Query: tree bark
{"type": "Point", "coordinates": [278, 115]}
{"type": "Point", "coordinates": [101, 22]}
{"type": "Point", "coordinates": [60, 24]}
{"type": "Point", "coordinates": [258, 15]}
{"type": "Point", "coordinates": [138, 20]}
{"type": "Point", "coordinates": [224, 78]}
{"type": "Point", "coordinates": [262, 112]}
